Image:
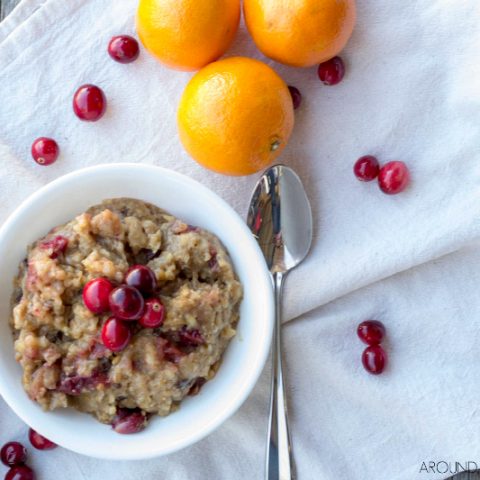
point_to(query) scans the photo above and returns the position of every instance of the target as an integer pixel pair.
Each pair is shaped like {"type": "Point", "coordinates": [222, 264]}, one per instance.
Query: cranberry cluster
{"type": "Point", "coordinates": [89, 101]}
{"type": "Point", "coordinates": [132, 301]}
{"type": "Point", "coordinates": [14, 455]}
{"type": "Point", "coordinates": [374, 357]}
{"type": "Point", "coordinates": [393, 177]}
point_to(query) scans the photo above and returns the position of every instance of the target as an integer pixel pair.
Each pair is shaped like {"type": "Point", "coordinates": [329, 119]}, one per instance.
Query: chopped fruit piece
{"type": "Point", "coordinates": [167, 351]}
{"type": "Point", "coordinates": [213, 262]}
{"type": "Point", "coordinates": [179, 227]}
{"type": "Point", "coordinates": [56, 245]}
{"type": "Point", "coordinates": [196, 386]}
{"type": "Point", "coordinates": [75, 385]}
{"type": "Point", "coordinates": [190, 337]}
{"type": "Point", "coordinates": [128, 421]}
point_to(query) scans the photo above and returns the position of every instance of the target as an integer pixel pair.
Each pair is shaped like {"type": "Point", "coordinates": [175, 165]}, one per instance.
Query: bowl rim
{"type": "Point", "coordinates": [235, 402]}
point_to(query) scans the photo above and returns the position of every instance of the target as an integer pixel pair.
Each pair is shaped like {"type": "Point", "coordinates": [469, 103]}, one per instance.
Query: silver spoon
{"type": "Point", "coordinates": [280, 218]}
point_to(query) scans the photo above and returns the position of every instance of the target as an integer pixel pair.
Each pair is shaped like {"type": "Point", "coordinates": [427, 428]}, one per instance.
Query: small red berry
{"type": "Point", "coordinates": [142, 278]}
{"type": "Point", "coordinates": [154, 314]}
{"type": "Point", "coordinates": [89, 103]}
{"type": "Point", "coordinates": [371, 332]}
{"type": "Point", "coordinates": [13, 453]}
{"type": "Point", "coordinates": [196, 386]}
{"type": "Point", "coordinates": [191, 337]}
{"type": "Point", "coordinates": [123, 49]}
{"type": "Point", "coordinates": [96, 295]}
{"type": "Point", "coordinates": [393, 178]}
{"type": "Point", "coordinates": [296, 96]}
{"type": "Point", "coordinates": [366, 168]}
{"type": "Point", "coordinates": [20, 472]}
{"type": "Point", "coordinates": [126, 303]}
{"type": "Point", "coordinates": [374, 359]}
{"type": "Point", "coordinates": [115, 334]}
{"type": "Point", "coordinates": [128, 421]}
{"type": "Point", "coordinates": [332, 71]}
{"type": "Point", "coordinates": [56, 246]}
{"type": "Point", "coordinates": [39, 441]}
{"type": "Point", "coordinates": [45, 151]}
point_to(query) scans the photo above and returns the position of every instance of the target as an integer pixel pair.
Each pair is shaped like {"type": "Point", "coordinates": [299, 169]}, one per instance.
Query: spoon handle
{"type": "Point", "coordinates": [279, 461]}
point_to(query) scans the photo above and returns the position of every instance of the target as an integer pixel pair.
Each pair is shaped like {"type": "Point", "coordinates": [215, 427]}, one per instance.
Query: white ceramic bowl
{"type": "Point", "coordinates": [68, 196]}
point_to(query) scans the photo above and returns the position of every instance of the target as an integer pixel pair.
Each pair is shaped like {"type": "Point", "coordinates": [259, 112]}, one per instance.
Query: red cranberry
{"type": "Point", "coordinates": [56, 245]}
{"type": "Point", "coordinates": [129, 421]}
{"type": "Point", "coordinates": [179, 228]}
{"type": "Point", "coordinates": [393, 178]}
{"type": "Point", "coordinates": [332, 71]}
{"type": "Point", "coordinates": [213, 262]}
{"type": "Point", "coordinates": [20, 472]}
{"type": "Point", "coordinates": [115, 334]}
{"type": "Point", "coordinates": [96, 295]}
{"type": "Point", "coordinates": [374, 359]}
{"type": "Point", "coordinates": [371, 332]}
{"type": "Point", "coordinates": [153, 315]}
{"type": "Point", "coordinates": [45, 151]}
{"type": "Point", "coordinates": [89, 103]}
{"type": "Point", "coordinates": [190, 337]}
{"type": "Point", "coordinates": [76, 384]}
{"type": "Point", "coordinates": [123, 49]}
{"type": "Point", "coordinates": [168, 352]}
{"type": "Point", "coordinates": [98, 350]}
{"type": "Point", "coordinates": [39, 441]}
{"type": "Point", "coordinates": [296, 96]}
{"type": "Point", "coordinates": [13, 453]}
{"type": "Point", "coordinates": [142, 278]}
{"type": "Point", "coordinates": [126, 303]}
{"type": "Point", "coordinates": [196, 386]}
{"type": "Point", "coordinates": [366, 168]}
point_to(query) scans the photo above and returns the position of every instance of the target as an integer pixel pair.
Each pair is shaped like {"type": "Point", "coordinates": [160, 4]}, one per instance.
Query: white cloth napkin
{"type": "Point", "coordinates": [411, 93]}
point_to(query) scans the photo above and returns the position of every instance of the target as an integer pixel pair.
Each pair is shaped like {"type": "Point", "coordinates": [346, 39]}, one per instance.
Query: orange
{"type": "Point", "coordinates": [300, 33]}
{"type": "Point", "coordinates": [235, 116]}
{"type": "Point", "coordinates": [187, 34]}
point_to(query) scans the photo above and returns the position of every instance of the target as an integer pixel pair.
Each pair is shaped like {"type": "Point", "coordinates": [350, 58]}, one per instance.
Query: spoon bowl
{"type": "Point", "coordinates": [280, 218]}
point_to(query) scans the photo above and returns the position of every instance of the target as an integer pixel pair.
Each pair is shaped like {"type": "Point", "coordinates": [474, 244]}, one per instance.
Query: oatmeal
{"type": "Point", "coordinates": [122, 369]}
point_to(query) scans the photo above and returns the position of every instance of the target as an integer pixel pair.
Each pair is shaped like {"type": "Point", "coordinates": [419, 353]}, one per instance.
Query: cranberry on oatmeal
{"type": "Point", "coordinates": [122, 312]}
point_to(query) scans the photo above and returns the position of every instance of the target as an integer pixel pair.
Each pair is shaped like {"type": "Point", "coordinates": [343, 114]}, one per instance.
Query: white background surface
{"type": "Point", "coordinates": [411, 93]}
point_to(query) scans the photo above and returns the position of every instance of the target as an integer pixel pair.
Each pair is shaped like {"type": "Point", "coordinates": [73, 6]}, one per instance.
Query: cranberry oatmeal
{"type": "Point", "coordinates": [122, 312]}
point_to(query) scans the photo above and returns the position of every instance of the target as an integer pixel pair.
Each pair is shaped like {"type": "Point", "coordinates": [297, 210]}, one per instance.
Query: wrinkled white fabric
{"type": "Point", "coordinates": [411, 93]}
